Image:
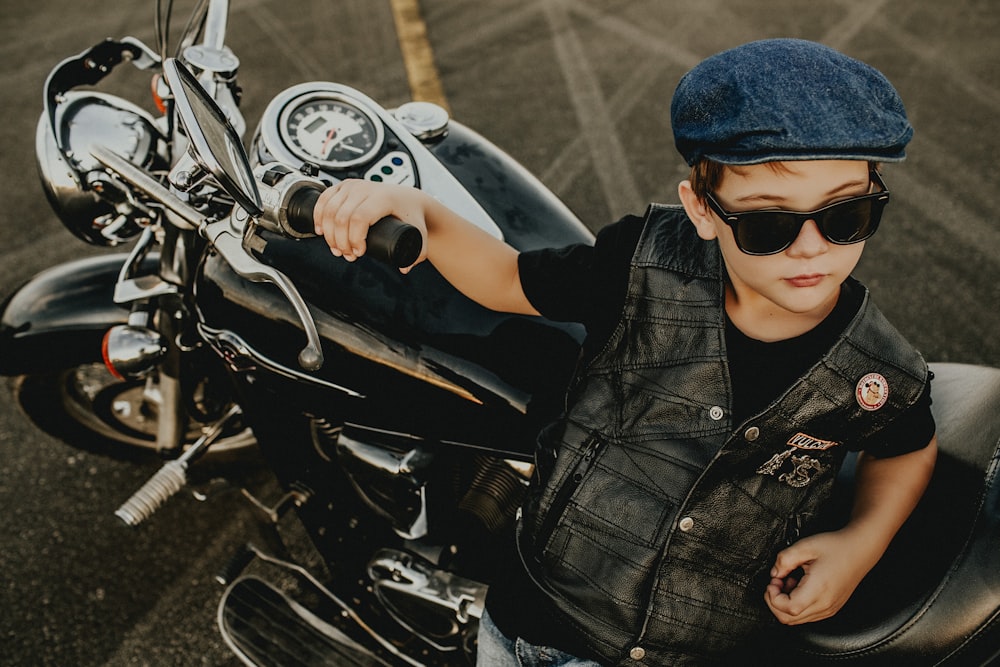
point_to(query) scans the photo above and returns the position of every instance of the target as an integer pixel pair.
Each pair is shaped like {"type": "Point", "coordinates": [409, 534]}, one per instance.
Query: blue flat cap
{"type": "Point", "coordinates": [787, 99]}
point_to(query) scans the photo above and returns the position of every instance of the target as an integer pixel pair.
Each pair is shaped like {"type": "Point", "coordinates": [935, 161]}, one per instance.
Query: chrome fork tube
{"type": "Point", "coordinates": [215, 23]}
{"type": "Point", "coordinates": [171, 425]}
{"type": "Point", "coordinates": [178, 260]}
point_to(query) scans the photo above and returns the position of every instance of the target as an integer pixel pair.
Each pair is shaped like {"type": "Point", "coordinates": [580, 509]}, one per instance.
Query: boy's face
{"type": "Point", "coordinates": [801, 283]}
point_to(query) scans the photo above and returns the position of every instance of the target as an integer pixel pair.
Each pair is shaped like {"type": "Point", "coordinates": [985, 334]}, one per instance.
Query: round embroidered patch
{"type": "Point", "coordinates": [872, 391]}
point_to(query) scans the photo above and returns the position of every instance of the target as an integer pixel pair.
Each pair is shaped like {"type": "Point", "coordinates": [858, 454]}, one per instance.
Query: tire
{"type": "Point", "coordinates": [86, 407]}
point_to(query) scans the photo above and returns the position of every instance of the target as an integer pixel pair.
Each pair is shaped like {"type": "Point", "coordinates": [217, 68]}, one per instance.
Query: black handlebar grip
{"type": "Point", "coordinates": [395, 242]}
{"type": "Point", "coordinates": [300, 210]}
{"type": "Point", "coordinates": [390, 240]}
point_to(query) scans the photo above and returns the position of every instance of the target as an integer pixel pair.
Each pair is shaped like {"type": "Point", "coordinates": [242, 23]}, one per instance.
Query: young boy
{"type": "Point", "coordinates": [730, 363]}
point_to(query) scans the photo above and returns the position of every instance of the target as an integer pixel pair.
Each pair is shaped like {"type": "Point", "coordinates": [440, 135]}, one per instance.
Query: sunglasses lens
{"type": "Point", "coordinates": [766, 233]}
{"type": "Point", "coordinates": [852, 221]}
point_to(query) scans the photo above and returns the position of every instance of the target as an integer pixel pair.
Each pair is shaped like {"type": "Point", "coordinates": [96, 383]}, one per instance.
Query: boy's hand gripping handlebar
{"type": "Point", "coordinates": [289, 199]}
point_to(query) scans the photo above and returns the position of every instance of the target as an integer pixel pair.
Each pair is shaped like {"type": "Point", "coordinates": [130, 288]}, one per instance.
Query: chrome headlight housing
{"type": "Point", "coordinates": [88, 200]}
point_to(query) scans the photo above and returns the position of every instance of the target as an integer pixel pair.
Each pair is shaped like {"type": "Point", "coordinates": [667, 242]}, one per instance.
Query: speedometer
{"type": "Point", "coordinates": [330, 131]}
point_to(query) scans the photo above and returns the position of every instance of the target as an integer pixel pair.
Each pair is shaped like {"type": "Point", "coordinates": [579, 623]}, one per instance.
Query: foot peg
{"type": "Point", "coordinates": [171, 478]}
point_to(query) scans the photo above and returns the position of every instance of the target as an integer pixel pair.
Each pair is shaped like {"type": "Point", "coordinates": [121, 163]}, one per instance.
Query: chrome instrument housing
{"type": "Point", "coordinates": [399, 154]}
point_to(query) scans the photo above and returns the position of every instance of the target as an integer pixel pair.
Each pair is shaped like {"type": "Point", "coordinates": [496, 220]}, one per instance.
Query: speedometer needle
{"type": "Point", "coordinates": [329, 137]}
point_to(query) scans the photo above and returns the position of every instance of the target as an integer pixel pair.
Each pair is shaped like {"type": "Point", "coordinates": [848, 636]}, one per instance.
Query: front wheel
{"type": "Point", "coordinates": [88, 408]}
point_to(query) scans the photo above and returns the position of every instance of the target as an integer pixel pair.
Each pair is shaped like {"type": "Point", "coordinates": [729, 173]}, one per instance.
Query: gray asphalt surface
{"type": "Point", "coordinates": [578, 92]}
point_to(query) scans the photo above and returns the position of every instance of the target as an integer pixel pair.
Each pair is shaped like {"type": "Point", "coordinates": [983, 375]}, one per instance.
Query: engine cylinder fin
{"type": "Point", "coordinates": [494, 495]}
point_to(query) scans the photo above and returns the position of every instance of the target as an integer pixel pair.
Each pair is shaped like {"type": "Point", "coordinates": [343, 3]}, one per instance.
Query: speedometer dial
{"type": "Point", "coordinates": [330, 131]}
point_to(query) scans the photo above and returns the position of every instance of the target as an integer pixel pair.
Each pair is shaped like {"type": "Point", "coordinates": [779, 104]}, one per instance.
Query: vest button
{"type": "Point", "coordinates": [751, 434]}
{"type": "Point", "coordinates": [716, 413]}
{"type": "Point", "coordinates": [637, 653]}
{"type": "Point", "coordinates": [686, 524]}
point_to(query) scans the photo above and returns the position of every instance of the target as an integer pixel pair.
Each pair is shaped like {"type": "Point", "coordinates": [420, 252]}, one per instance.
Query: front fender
{"type": "Point", "coordinates": [58, 318]}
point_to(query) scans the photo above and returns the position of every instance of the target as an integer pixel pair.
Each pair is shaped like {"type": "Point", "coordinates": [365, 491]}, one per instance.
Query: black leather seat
{"type": "Point", "coordinates": [934, 598]}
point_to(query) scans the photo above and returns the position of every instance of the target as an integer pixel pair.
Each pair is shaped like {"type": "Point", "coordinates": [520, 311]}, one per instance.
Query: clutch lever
{"type": "Point", "coordinates": [226, 236]}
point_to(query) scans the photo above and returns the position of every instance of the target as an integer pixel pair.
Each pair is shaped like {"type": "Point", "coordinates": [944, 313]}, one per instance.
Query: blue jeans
{"type": "Point", "coordinates": [496, 650]}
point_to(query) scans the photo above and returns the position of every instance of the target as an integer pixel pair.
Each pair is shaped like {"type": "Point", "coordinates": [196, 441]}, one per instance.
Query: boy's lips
{"type": "Point", "coordinates": [806, 280]}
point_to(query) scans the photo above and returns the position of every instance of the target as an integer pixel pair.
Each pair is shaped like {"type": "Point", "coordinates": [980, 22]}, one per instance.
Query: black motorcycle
{"type": "Point", "coordinates": [398, 416]}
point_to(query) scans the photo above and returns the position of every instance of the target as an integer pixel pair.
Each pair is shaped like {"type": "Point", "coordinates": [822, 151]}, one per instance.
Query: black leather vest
{"type": "Point", "coordinates": [653, 521]}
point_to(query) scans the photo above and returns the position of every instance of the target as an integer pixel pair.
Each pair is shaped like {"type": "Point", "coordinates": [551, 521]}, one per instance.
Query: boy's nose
{"type": "Point", "coordinates": [809, 242]}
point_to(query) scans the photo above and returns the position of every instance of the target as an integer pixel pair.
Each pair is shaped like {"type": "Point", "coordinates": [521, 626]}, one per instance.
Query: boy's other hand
{"type": "Point", "coordinates": [812, 579]}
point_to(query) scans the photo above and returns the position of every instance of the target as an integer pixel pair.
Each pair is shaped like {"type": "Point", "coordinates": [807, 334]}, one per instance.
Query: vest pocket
{"type": "Point", "coordinates": [609, 491]}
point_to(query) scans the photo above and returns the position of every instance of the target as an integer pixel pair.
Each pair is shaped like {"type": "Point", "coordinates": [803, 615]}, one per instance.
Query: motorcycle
{"type": "Point", "coordinates": [397, 415]}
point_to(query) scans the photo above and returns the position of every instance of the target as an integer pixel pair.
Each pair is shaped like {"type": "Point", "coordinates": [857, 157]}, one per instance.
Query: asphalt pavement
{"type": "Point", "coordinates": [578, 91]}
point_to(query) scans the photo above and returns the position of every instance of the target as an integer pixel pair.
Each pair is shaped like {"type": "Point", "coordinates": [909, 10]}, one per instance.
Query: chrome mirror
{"type": "Point", "coordinates": [214, 144]}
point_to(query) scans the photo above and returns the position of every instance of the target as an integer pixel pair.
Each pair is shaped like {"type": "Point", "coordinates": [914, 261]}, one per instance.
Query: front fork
{"type": "Point", "coordinates": [171, 427]}
{"type": "Point", "coordinates": [159, 302]}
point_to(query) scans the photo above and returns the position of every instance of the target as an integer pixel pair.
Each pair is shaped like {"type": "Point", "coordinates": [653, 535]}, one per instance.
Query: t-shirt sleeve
{"type": "Point", "coordinates": [582, 283]}
{"type": "Point", "coordinates": [909, 432]}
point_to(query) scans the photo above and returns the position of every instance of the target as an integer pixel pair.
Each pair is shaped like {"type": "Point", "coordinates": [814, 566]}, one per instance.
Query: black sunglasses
{"type": "Point", "coordinates": [767, 232]}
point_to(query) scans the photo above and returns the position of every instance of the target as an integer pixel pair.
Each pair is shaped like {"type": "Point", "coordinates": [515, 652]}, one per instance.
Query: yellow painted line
{"type": "Point", "coordinates": [418, 57]}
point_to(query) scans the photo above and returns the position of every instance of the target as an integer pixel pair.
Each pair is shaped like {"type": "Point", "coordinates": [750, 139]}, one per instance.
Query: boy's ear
{"type": "Point", "coordinates": [697, 211]}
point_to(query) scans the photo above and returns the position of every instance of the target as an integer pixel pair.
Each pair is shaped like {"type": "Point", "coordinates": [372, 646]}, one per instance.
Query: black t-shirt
{"type": "Point", "coordinates": [587, 284]}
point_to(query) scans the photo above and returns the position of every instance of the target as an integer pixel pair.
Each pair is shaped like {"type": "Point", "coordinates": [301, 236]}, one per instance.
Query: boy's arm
{"type": "Point", "coordinates": [479, 265]}
{"type": "Point", "coordinates": [833, 564]}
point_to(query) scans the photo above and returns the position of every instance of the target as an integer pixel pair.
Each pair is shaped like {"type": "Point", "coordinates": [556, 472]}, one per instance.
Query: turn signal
{"type": "Point", "coordinates": [158, 88]}
{"type": "Point", "coordinates": [131, 352]}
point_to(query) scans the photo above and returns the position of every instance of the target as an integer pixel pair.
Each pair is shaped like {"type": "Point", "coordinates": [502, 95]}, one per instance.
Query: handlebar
{"type": "Point", "coordinates": [390, 240]}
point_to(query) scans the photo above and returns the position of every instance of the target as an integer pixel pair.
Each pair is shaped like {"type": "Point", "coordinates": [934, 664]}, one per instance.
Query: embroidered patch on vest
{"type": "Point", "coordinates": [804, 441]}
{"type": "Point", "coordinates": [872, 391]}
{"type": "Point", "coordinates": [803, 468]}
{"type": "Point", "coordinates": [798, 474]}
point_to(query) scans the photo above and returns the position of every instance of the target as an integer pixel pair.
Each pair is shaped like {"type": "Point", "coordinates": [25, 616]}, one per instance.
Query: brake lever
{"type": "Point", "coordinates": [230, 245]}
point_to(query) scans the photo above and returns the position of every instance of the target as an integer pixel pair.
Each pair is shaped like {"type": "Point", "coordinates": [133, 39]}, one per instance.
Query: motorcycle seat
{"type": "Point", "coordinates": [935, 594]}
